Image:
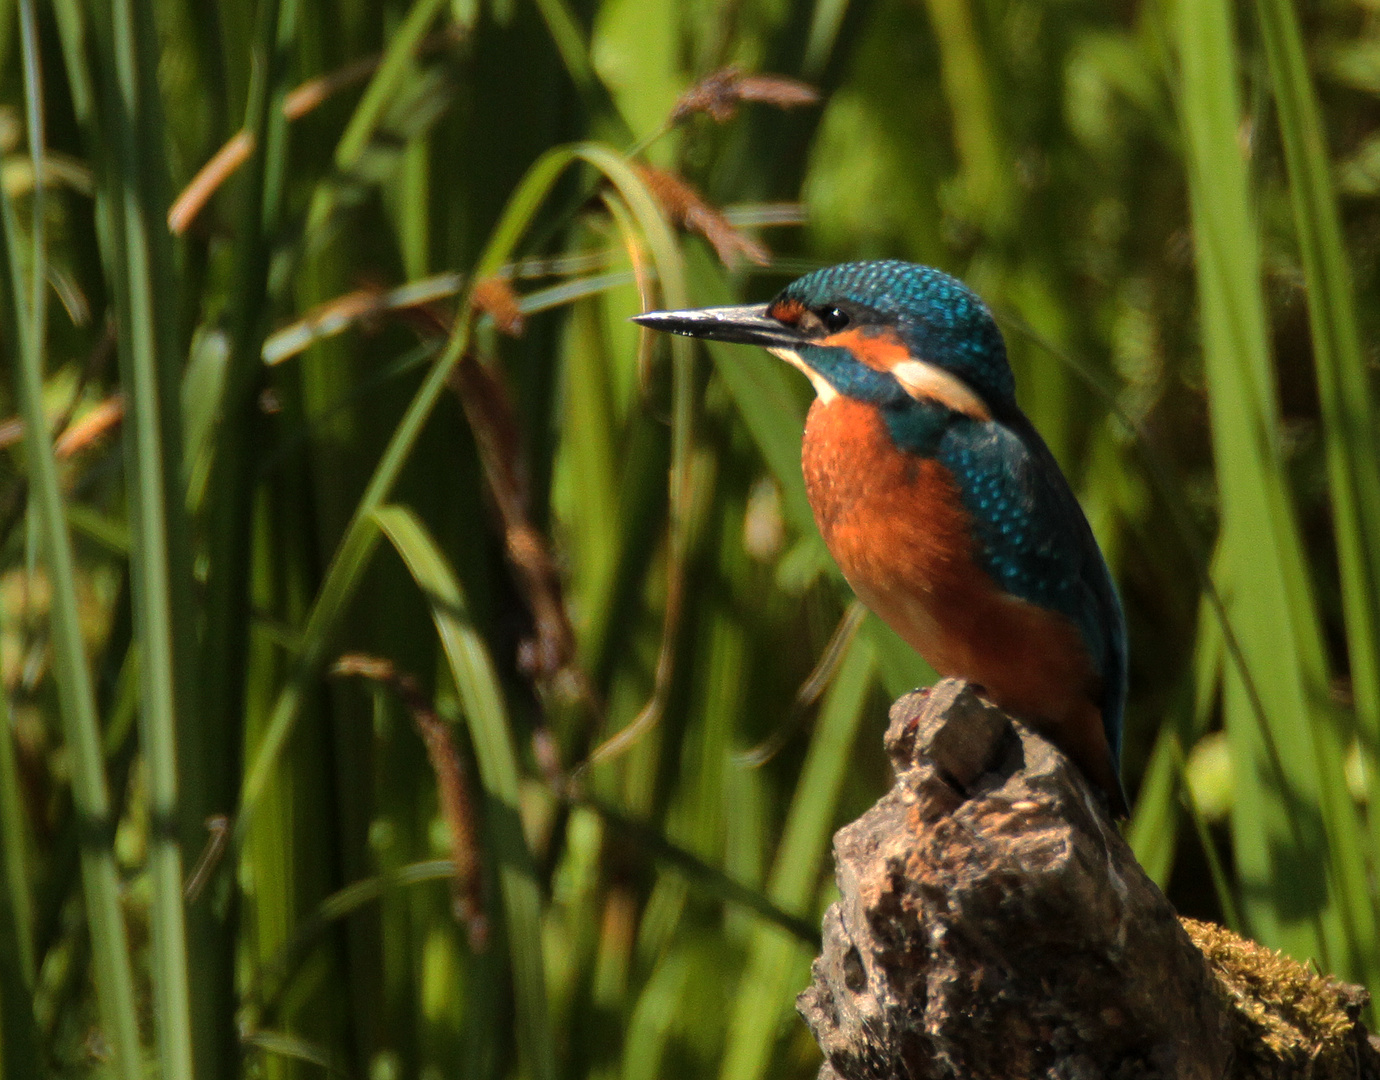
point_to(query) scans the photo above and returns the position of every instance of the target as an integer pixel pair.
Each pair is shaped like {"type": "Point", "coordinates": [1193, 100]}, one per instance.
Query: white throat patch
{"type": "Point", "coordinates": [823, 390]}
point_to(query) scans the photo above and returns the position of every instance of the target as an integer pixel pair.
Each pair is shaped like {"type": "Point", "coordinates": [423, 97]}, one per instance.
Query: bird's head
{"type": "Point", "coordinates": [879, 331]}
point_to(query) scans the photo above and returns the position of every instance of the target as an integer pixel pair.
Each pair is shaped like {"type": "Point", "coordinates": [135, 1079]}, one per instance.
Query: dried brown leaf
{"type": "Point", "coordinates": [91, 428]}
{"type": "Point", "coordinates": [209, 177]}
{"type": "Point", "coordinates": [494, 296]}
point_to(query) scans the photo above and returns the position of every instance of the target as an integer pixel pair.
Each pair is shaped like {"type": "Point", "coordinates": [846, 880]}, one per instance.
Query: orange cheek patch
{"type": "Point", "coordinates": [879, 351]}
{"type": "Point", "coordinates": [919, 378]}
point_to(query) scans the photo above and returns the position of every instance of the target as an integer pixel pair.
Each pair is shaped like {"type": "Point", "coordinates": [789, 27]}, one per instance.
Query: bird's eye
{"type": "Point", "coordinates": [834, 319]}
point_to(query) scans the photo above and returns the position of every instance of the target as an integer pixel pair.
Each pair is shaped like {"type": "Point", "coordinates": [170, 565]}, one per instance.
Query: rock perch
{"type": "Point", "coordinates": [994, 924]}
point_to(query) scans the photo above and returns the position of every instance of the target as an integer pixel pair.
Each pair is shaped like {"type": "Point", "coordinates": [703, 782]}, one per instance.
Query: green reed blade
{"type": "Point", "coordinates": [81, 729]}
{"type": "Point", "coordinates": [369, 113]}
{"type": "Point", "coordinates": [1295, 864]}
{"type": "Point", "coordinates": [145, 294]}
{"type": "Point", "coordinates": [1344, 392]}
{"type": "Point", "coordinates": [776, 962]}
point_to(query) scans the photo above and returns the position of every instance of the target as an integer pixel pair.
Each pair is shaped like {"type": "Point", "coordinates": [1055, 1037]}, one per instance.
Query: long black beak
{"type": "Point", "coordinates": [748, 324]}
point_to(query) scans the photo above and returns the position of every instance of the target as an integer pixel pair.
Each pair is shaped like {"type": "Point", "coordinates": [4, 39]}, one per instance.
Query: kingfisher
{"type": "Point", "coordinates": [939, 500]}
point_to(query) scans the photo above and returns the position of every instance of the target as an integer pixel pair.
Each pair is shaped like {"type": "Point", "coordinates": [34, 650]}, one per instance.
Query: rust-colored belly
{"type": "Point", "coordinates": [896, 525]}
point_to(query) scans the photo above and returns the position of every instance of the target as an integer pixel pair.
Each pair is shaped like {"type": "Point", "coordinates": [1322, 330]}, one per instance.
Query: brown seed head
{"type": "Point", "coordinates": [688, 210]}
{"type": "Point", "coordinates": [718, 94]}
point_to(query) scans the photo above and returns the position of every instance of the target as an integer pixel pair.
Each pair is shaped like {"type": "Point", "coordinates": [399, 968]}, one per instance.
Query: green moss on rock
{"type": "Point", "coordinates": [1289, 1022]}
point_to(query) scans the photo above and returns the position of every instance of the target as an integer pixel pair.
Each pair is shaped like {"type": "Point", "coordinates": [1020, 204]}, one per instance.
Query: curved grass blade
{"type": "Point", "coordinates": [490, 733]}
{"type": "Point", "coordinates": [357, 545]}
{"type": "Point", "coordinates": [234, 434]}
{"type": "Point", "coordinates": [271, 977]}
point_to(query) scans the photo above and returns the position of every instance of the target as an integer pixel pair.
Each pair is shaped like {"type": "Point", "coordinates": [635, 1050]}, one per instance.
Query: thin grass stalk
{"type": "Point", "coordinates": [20, 1050]}
{"type": "Point", "coordinates": [71, 21]}
{"type": "Point", "coordinates": [1344, 393]}
{"type": "Point", "coordinates": [14, 847]}
{"type": "Point", "coordinates": [1283, 857]}
{"type": "Point", "coordinates": [368, 114]}
{"type": "Point", "coordinates": [212, 755]}
{"type": "Point", "coordinates": [77, 704]}
{"type": "Point", "coordinates": [273, 847]}
{"type": "Point", "coordinates": [18, 966]}
{"type": "Point", "coordinates": [234, 467]}
{"type": "Point", "coordinates": [160, 564]}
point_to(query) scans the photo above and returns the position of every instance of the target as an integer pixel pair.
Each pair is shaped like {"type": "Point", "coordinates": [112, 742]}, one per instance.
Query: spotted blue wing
{"type": "Point", "coordinates": [1024, 515]}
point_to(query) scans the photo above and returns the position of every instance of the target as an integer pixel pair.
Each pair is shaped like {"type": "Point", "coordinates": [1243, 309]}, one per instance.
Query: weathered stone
{"type": "Point", "coordinates": [992, 923]}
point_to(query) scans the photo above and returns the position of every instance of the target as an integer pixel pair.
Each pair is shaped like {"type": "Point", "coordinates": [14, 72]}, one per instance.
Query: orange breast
{"type": "Point", "coordinates": [896, 525]}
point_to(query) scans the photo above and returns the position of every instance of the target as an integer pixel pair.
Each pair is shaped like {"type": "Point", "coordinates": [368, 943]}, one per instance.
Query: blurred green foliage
{"type": "Point", "coordinates": [374, 393]}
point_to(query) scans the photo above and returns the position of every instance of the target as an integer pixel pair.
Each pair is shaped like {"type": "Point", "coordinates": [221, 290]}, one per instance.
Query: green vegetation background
{"type": "Point", "coordinates": [529, 530]}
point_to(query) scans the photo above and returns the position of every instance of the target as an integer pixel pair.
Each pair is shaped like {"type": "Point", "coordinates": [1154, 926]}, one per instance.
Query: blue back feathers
{"type": "Point", "coordinates": [1036, 544]}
